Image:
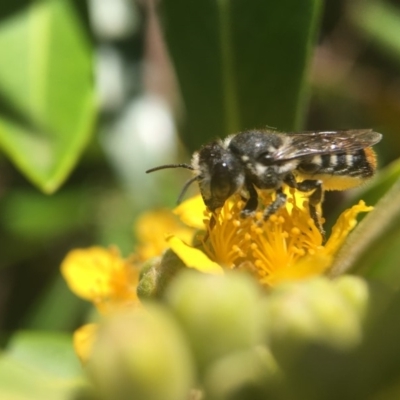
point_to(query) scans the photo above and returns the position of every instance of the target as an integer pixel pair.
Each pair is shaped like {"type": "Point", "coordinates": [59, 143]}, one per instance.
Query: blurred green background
{"type": "Point", "coordinates": [93, 93]}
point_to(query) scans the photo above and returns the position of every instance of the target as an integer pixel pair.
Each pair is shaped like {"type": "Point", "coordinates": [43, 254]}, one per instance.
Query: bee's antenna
{"type": "Point", "coordinates": [185, 187]}
{"type": "Point", "coordinates": [187, 166]}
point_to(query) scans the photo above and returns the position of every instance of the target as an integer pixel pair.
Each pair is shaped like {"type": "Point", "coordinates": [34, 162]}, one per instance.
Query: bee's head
{"type": "Point", "coordinates": [220, 174]}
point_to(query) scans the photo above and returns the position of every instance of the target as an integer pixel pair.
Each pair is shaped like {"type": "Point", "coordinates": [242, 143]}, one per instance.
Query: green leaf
{"type": "Point", "coordinates": [240, 64]}
{"type": "Point", "coordinates": [46, 84]}
{"type": "Point", "coordinates": [30, 215]}
{"type": "Point", "coordinates": [45, 313]}
{"type": "Point", "coordinates": [49, 353]}
{"type": "Point", "coordinates": [40, 366]}
{"type": "Point", "coordinates": [372, 249]}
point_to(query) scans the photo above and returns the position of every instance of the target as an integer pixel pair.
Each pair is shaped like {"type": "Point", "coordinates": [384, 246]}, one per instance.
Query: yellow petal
{"type": "Point", "coordinates": [151, 229]}
{"type": "Point", "coordinates": [191, 212]}
{"type": "Point", "coordinates": [345, 223]}
{"type": "Point", "coordinates": [96, 273]}
{"type": "Point", "coordinates": [192, 257]}
{"type": "Point", "coordinates": [309, 266]}
{"type": "Point", "coordinates": [83, 340]}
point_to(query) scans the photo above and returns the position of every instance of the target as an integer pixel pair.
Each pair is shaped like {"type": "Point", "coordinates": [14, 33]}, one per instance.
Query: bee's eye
{"type": "Point", "coordinates": [266, 158]}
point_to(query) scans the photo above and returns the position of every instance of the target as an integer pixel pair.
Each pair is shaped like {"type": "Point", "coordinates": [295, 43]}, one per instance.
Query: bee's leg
{"type": "Point", "coordinates": [314, 200]}
{"type": "Point", "coordinates": [252, 202]}
{"type": "Point", "coordinates": [212, 222]}
{"type": "Point", "coordinates": [279, 201]}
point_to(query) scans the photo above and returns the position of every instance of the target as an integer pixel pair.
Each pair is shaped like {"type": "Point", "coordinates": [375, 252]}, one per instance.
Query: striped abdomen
{"type": "Point", "coordinates": [339, 171]}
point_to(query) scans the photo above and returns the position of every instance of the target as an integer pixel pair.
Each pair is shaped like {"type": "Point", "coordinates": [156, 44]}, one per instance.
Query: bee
{"type": "Point", "coordinates": [267, 160]}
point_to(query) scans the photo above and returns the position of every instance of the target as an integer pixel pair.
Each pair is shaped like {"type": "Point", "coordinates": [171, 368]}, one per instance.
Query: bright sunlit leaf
{"type": "Point", "coordinates": [46, 82]}
{"type": "Point", "coordinates": [38, 365]}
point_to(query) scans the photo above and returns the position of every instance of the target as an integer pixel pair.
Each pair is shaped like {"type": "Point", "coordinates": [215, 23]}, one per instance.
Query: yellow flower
{"type": "Point", "coordinates": [151, 229]}
{"type": "Point", "coordinates": [193, 258]}
{"type": "Point", "coordinates": [288, 246]}
{"type": "Point", "coordinates": [83, 340]}
{"type": "Point", "coordinates": [102, 277]}
{"type": "Point", "coordinates": [191, 212]}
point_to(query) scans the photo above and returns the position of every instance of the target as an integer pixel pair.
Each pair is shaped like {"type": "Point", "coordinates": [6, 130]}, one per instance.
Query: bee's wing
{"type": "Point", "coordinates": [309, 143]}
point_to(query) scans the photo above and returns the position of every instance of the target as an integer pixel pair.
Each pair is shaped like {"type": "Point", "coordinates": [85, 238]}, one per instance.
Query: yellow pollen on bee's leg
{"type": "Point", "coordinates": [259, 216]}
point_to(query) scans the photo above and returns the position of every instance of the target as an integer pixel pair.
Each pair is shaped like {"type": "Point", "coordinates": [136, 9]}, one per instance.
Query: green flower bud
{"type": "Point", "coordinates": [245, 374]}
{"type": "Point", "coordinates": [355, 291]}
{"type": "Point", "coordinates": [147, 286]}
{"type": "Point", "coordinates": [315, 311]}
{"type": "Point", "coordinates": [156, 274]}
{"type": "Point", "coordinates": [141, 355]}
{"type": "Point", "coordinates": [220, 314]}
